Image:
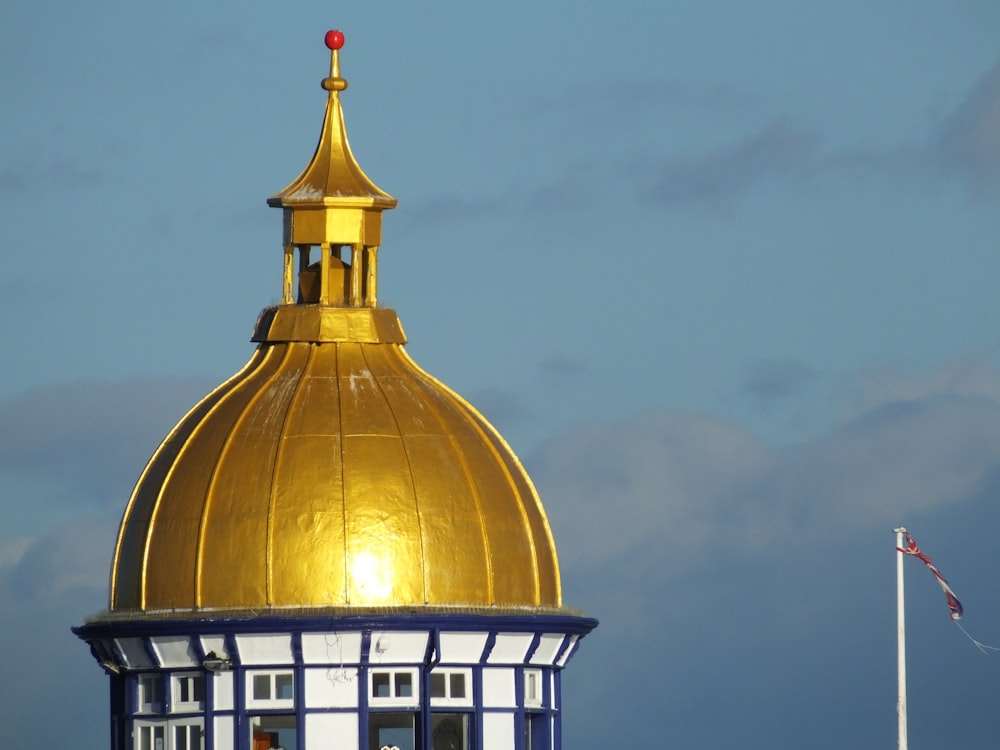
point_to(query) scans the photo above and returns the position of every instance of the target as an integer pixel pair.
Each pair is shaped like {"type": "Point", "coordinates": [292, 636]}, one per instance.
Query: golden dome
{"type": "Point", "coordinates": [332, 471]}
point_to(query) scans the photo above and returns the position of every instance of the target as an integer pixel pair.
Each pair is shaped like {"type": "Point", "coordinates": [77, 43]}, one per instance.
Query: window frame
{"type": "Point", "coordinates": [394, 699]}
{"type": "Point", "coordinates": [189, 725]}
{"type": "Point", "coordinates": [273, 701]}
{"type": "Point", "coordinates": [168, 730]}
{"type": "Point", "coordinates": [534, 688]}
{"type": "Point", "coordinates": [189, 706]}
{"type": "Point", "coordinates": [448, 699]}
{"type": "Point", "coordinates": [142, 705]}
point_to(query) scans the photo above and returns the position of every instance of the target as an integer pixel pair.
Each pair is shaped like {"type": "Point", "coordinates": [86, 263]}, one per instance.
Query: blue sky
{"type": "Point", "coordinates": [723, 273]}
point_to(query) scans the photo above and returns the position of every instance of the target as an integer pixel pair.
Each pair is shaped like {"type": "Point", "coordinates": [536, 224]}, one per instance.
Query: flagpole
{"type": "Point", "coordinates": [900, 644]}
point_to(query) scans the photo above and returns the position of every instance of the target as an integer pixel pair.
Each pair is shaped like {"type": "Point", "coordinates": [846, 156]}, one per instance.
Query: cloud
{"type": "Point", "coordinates": [47, 176]}
{"type": "Point", "coordinates": [770, 381]}
{"type": "Point", "coordinates": [12, 551]}
{"type": "Point", "coordinates": [446, 210]}
{"type": "Point", "coordinates": [74, 555]}
{"type": "Point", "coordinates": [777, 150]}
{"type": "Point", "coordinates": [89, 440]}
{"type": "Point", "coordinates": [968, 376]}
{"type": "Point", "coordinates": [969, 142]}
{"type": "Point", "coordinates": [501, 407]}
{"type": "Point", "coordinates": [662, 482]}
{"type": "Point", "coordinates": [44, 663]}
{"type": "Point", "coordinates": [675, 488]}
{"type": "Point", "coordinates": [560, 368]}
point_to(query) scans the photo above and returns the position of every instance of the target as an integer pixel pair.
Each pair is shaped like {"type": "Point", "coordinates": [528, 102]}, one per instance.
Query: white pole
{"type": "Point", "coordinates": [900, 644]}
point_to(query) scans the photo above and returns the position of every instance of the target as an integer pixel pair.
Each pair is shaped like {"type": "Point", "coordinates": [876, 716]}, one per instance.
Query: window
{"type": "Point", "coordinates": [393, 686]}
{"type": "Point", "coordinates": [150, 694]}
{"type": "Point", "coordinates": [532, 687]}
{"type": "Point", "coordinates": [451, 687]}
{"type": "Point", "coordinates": [395, 730]}
{"type": "Point", "coordinates": [150, 737]}
{"type": "Point", "coordinates": [187, 692]}
{"type": "Point", "coordinates": [273, 731]}
{"type": "Point", "coordinates": [271, 689]}
{"type": "Point", "coordinates": [536, 732]}
{"type": "Point", "coordinates": [449, 731]}
{"type": "Point", "coordinates": [185, 734]}
{"type": "Point", "coordinates": [187, 737]}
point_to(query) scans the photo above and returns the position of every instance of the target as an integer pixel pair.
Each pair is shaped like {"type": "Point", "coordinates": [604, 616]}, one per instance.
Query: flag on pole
{"type": "Point", "coordinates": [954, 605]}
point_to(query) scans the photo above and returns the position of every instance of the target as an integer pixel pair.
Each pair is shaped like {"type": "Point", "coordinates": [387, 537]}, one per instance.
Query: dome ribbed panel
{"type": "Point", "coordinates": [308, 525]}
{"type": "Point", "coordinates": [233, 548]}
{"type": "Point", "coordinates": [457, 562]}
{"type": "Point", "coordinates": [137, 561]}
{"type": "Point", "coordinates": [383, 549]}
{"type": "Point", "coordinates": [523, 553]}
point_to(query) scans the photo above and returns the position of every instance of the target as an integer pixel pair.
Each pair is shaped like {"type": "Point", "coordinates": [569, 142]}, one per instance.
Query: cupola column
{"type": "Point", "coordinates": [288, 276]}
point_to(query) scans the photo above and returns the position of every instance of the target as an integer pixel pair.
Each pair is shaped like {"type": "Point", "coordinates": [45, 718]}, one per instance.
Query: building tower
{"type": "Point", "coordinates": [333, 550]}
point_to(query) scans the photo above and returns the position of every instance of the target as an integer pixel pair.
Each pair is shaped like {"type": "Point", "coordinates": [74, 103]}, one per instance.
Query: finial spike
{"type": "Point", "coordinates": [334, 40]}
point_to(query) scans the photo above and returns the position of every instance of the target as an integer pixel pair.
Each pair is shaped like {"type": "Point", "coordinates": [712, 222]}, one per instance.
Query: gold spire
{"type": "Point", "coordinates": [335, 207]}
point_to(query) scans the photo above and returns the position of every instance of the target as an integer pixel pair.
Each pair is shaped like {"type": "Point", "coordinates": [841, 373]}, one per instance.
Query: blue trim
{"type": "Point", "coordinates": [560, 651]}
{"type": "Point", "coordinates": [366, 646]}
{"type": "Point", "coordinates": [299, 692]}
{"type": "Point", "coordinates": [433, 656]}
{"type": "Point", "coordinates": [209, 727]}
{"type": "Point", "coordinates": [572, 652]}
{"type": "Point", "coordinates": [232, 649]}
{"type": "Point", "coordinates": [118, 696]}
{"type": "Point", "coordinates": [557, 716]}
{"type": "Point", "coordinates": [241, 723]}
{"type": "Point", "coordinates": [532, 648]}
{"type": "Point", "coordinates": [491, 641]}
{"type": "Point", "coordinates": [269, 623]}
{"type": "Point", "coordinates": [363, 693]}
{"type": "Point", "coordinates": [423, 728]}
{"type": "Point", "coordinates": [477, 703]}
{"type": "Point", "coordinates": [154, 657]}
{"type": "Point", "coordinates": [166, 685]}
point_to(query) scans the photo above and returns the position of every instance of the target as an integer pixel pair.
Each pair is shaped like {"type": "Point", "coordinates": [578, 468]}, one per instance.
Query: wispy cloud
{"type": "Point", "coordinates": [968, 377]}
{"type": "Point", "coordinates": [771, 381]}
{"type": "Point", "coordinates": [969, 142]}
{"type": "Point", "coordinates": [560, 368]}
{"type": "Point", "coordinates": [503, 408]}
{"type": "Point", "coordinates": [676, 486]}
{"type": "Point", "coordinates": [91, 438]}
{"type": "Point", "coordinates": [47, 176]}
{"type": "Point", "coordinates": [74, 555]}
{"type": "Point", "coordinates": [779, 149]}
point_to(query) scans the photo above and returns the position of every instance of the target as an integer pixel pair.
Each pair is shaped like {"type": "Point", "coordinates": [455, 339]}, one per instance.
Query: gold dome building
{"type": "Point", "coordinates": [333, 549]}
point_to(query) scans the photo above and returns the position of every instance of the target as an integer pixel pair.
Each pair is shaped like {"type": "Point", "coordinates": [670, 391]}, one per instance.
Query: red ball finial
{"type": "Point", "coordinates": [334, 39]}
